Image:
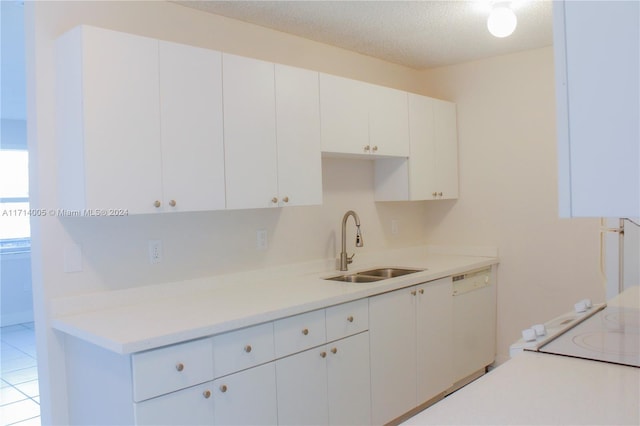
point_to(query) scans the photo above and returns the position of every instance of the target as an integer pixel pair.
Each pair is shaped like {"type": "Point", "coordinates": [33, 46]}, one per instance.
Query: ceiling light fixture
{"type": "Point", "coordinates": [502, 21]}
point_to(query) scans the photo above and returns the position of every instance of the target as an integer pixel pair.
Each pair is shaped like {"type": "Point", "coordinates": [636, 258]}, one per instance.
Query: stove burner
{"type": "Point", "coordinates": [610, 342]}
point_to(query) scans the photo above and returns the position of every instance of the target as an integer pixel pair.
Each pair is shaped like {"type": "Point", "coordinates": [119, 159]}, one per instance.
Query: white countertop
{"type": "Point", "coordinates": [544, 389]}
{"type": "Point", "coordinates": [137, 319]}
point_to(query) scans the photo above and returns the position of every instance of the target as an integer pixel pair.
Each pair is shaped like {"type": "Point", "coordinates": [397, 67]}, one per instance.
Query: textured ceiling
{"type": "Point", "coordinates": [418, 34]}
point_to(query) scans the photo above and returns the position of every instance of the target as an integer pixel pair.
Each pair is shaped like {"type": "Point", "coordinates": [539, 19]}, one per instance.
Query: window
{"type": "Point", "coordinates": [15, 233]}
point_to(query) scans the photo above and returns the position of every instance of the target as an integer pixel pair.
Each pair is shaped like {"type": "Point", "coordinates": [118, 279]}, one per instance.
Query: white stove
{"type": "Point", "coordinates": [599, 333]}
{"type": "Point", "coordinates": [611, 335]}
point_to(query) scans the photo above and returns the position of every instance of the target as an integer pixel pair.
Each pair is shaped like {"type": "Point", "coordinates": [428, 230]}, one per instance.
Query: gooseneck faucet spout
{"type": "Point", "coordinates": [344, 258]}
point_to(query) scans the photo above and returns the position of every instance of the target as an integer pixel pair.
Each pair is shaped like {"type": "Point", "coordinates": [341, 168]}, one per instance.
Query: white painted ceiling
{"type": "Point", "coordinates": [418, 34]}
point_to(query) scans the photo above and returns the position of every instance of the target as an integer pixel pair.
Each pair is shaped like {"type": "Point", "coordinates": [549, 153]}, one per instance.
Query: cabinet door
{"type": "Point", "coordinates": [192, 406]}
{"type": "Point", "coordinates": [298, 134]}
{"type": "Point", "coordinates": [344, 115]}
{"type": "Point", "coordinates": [388, 121]}
{"type": "Point", "coordinates": [247, 397]}
{"type": "Point", "coordinates": [446, 148]}
{"type": "Point", "coordinates": [349, 382]}
{"type": "Point", "coordinates": [434, 338]}
{"type": "Point", "coordinates": [597, 49]}
{"type": "Point", "coordinates": [108, 120]}
{"type": "Point", "coordinates": [302, 388]}
{"type": "Point", "coordinates": [249, 132]}
{"type": "Point", "coordinates": [422, 170]}
{"type": "Point", "coordinates": [191, 123]}
{"type": "Point", "coordinates": [392, 334]}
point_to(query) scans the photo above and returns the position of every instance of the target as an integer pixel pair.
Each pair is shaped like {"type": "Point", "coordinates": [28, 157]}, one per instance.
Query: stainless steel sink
{"type": "Point", "coordinates": [373, 275]}
{"type": "Point", "coordinates": [389, 272]}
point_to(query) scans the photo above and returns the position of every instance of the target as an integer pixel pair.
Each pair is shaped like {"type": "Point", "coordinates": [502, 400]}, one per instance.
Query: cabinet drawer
{"type": "Point", "coordinates": [347, 319]}
{"type": "Point", "coordinates": [165, 370]}
{"type": "Point", "coordinates": [300, 332]}
{"type": "Point", "coordinates": [241, 349]}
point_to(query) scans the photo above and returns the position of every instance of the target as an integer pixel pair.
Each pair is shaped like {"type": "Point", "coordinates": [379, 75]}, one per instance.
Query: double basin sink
{"type": "Point", "coordinates": [374, 275]}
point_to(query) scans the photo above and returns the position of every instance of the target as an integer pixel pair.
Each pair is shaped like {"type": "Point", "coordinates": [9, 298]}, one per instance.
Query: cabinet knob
{"type": "Point", "coordinates": [172, 203]}
{"type": "Point", "coordinates": [334, 350]}
{"type": "Point", "coordinates": [421, 291]}
{"type": "Point", "coordinates": [435, 194]}
{"type": "Point", "coordinates": [413, 292]}
{"type": "Point", "coordinates": [367, 148]}
{"type": "Point", "coordinates": [206, 394]}
{"type": "Point", "coordinates": [323, 354]}
{"type": "Point", "coordinates": [350, 318]}
{"type": "Point", "coordinates": [285, 199]}
{"type": "Point", "coordinates": [305, 331]}
{"type": "Point", "coordinates": [179, 366]}
{"type": "Point", "coordinates": [157, 204]}
{"type": "Point", "coordinates": [247, 348]}
{"type": "Point", "coordinates": [223, 388]}
{"type": "Point", "coordinates": [274, 200]}
{"type": "Point", "coordinates": [375, 148]}
{"type": "Point", "coordinates": [439, 194]}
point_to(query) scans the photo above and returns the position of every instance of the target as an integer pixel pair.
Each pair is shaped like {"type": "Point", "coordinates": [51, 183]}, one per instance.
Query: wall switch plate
{"type": "Point", "coordinates": [73, 258]}
{"type": "Point", "coordinates": [394, 227]}
{"type": "Point", "coordinates": [155, 251]}
{"type": "Point", "coordinates": [261, 239]}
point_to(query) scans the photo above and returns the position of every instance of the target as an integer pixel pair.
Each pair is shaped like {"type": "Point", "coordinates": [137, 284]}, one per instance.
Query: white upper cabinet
{"type": "Point", "coordinates": [298, 136]}
{"type": "Point", "coordinates": [251, 157]}
{"type": "Point", "coordinates": [597, 48]}
{"type": "Point", "coordinates": [191, 123]}
{"type": "Point", "coordinates": [388, 121]}
{"type": "Point", "coordinates": [108, 121]}
{"type": "Point", "coordinates": [139, 123]}
{"type": "Point", "coordinates": [271, 134]}
{"type": "Point", "coordinates": [431, 172]}
{"type": "Point", "coordinates": [358, 118]}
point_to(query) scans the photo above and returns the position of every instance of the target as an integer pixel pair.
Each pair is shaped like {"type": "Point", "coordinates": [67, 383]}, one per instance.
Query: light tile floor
{"type": "Point", "coordinates": [19, 393]}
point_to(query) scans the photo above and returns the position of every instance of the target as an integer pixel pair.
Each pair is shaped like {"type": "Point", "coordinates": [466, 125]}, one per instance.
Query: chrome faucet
{"type": "Point", "coordinates": [344, 259]}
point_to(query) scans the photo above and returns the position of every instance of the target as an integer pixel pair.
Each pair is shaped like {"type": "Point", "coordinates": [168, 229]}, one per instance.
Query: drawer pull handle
{"type": "Point", "coordinates": [350, 318]}
{"type": "Point", "coordinates": [172, 203]}
{"type": "Point", "coordinates": [207, 394]}
{"type": "Point", "coordinates": [247, 348]}
{"type": "Point", "coordinates": [157, 204]}
{"type": "Point", "coordinates": [223, 388]}
{"type": "Point", "coordinates": [323, 354]}
{"type": "Point", "coordinates": [179, 366]}
{"type": "Point", "coordinates": [334, 350]}
{"type": "Point", "coordinates": [305, 331]}
{"type": "Point", "coordinates": [413, 292]}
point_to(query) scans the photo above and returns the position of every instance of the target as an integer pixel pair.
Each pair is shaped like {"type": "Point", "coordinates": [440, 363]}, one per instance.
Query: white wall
{"type": "Point", "coordinates": [114, 250]}
{"type": "Point", "coordinates": [508, 189]}
{"type": "Point", "coordinates": [15, 290]}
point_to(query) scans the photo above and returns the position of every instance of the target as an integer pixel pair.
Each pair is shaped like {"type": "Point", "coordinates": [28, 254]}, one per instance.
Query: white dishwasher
{"type": "Point", "coordinates": [474, 324]}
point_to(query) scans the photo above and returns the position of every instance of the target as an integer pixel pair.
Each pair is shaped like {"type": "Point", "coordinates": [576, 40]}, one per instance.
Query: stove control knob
{"type": "Point", "coordinates": [540, 330]}
{"type": "Point", "coordinates": [529, 335]}
{"type": "Point", "coordinates": [579, 307]}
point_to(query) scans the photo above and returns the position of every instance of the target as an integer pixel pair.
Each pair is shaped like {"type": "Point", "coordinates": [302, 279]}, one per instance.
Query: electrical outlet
{"type": "Point", "coordinates": [155, 251]}
{"type": "Point", "coordinates": [394, 227]}
{"type": "Point", "coordinates": [261, 239]}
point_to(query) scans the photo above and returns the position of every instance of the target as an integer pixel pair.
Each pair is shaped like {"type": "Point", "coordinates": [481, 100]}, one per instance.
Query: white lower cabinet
{"type": "Point", "coordinates": [368, 361]}
{"type": "Point", "coordinates": [411, 348]}
{"type": "Point", "coordinates": [326, 385]}
{"type": "Point", "coordinates": [246, 398]}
